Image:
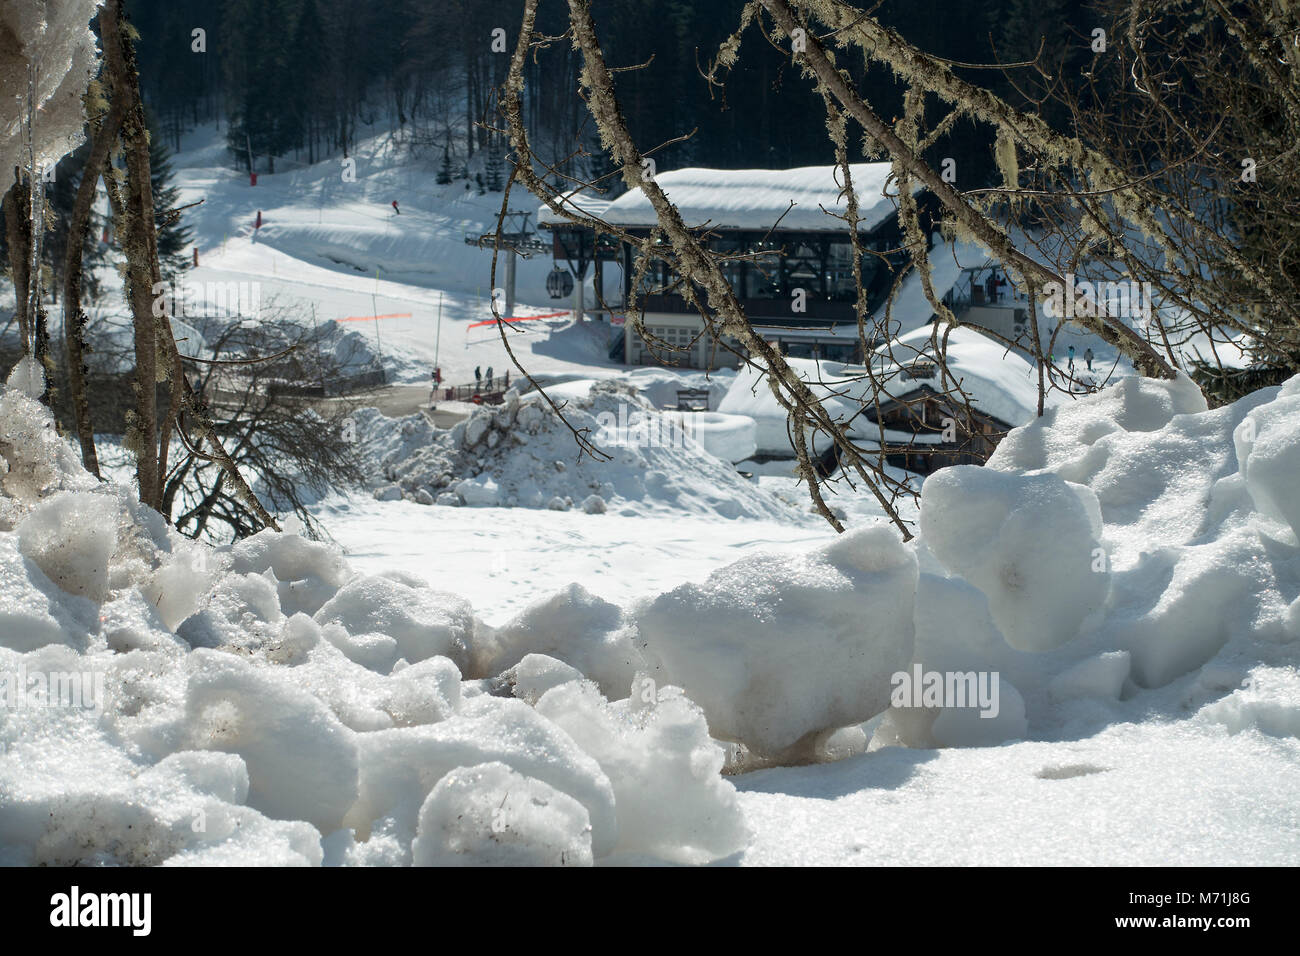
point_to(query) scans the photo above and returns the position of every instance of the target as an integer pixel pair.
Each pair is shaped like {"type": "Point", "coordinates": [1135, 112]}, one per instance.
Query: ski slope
{"type": "Point", "coordinates": [333, 250]}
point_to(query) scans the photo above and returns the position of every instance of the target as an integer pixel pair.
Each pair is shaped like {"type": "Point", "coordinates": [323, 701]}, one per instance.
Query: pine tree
{"type": "Point", "coordinates": [493, 171]}
{"type": "Point", "coordinates": [173, 235]}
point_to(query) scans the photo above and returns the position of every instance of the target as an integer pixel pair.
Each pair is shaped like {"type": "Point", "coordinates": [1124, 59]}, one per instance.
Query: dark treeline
{"type": "Point", "coordinates": [300, 77]}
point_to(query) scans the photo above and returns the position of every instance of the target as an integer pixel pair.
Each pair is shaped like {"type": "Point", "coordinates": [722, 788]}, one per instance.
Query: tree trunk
{"type": "Point", "coordinates": [74, 317]}
{"type": "Point", "coordinates": [139, 245]}
{"type": "Point", "coordinates": [17, 234]}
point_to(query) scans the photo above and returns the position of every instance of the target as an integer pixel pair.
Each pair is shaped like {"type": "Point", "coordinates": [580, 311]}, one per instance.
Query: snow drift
{"type": "Point", "coordinates": [521, 454]}
{"type": "Point", "coordinates": [164, 702]}
{"type": "Point", "coordinates": [1131, 556]}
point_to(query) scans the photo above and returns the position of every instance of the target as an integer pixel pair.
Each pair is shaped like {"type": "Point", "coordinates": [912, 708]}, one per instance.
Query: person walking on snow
{"type": "Point", "coordinates": [489, 378]}
{"type": "Point", "coordinates": [1087, 357]}
{"type": "Point", "coordinates": [395, 209]}
{"type": "Point", "coordinates": [1071, 354]}
{"type": "Point", "coordinates": [478, 378]}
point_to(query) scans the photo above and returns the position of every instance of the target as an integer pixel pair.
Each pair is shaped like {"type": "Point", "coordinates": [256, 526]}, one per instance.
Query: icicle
{"type": "Point", "coordinates": [36, 211]}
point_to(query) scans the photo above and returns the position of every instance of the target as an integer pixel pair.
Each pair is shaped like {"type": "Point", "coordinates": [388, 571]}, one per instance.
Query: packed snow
{"type": "Point", "coordinates": [809, 198]}
{"type": "Point", "coordinates": [523, 454]}
{"type": "Point", "coordinates": [522, 656]}
{"type": "Point", "coordinates": [1125, 566]}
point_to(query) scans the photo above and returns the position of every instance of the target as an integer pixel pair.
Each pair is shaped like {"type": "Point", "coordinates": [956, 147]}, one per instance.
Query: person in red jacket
{"type": "Point", "coordinates": [395, 209]}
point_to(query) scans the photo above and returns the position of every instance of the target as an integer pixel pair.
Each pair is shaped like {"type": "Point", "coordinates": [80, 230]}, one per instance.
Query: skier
{"type": "Point", "coordinates": [1087, 357]}
{"type": "Point", "coordinates": [478, 378]}
{"type": "Point", "coordinates": [488, 376]}
{"type": "Point", "coordinates": [395, 209]}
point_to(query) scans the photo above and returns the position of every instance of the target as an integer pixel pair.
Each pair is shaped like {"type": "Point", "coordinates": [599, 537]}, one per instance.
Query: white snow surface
{"type": "Point", "coordinates": [522, 454]}
{"type": "Point", "coordinates": [1127, 566]}
{"type": "Point", "coordinates": [757, 198]}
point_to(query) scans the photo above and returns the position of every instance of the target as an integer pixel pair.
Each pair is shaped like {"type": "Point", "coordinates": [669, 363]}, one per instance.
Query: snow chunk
{"type": "Point", "coordinates": [776, 648]}
{"type": "Point", "coordinates": [969, 727]}
{"type": "Point", "coordinates": [400, 767]}
{"type": "Point", "coordinates": [289, 557]}
{"type": "Point", "coordinates": [490, 815]}
{"type": "Point", "coordinates": [422, 621]}
{"type": "Point", "coordinates": [69, 539]}
{"type": "Point", "coordinates": [27, 378]}
{"type": "Point", "coordinates": [33, 458]}
{"type": "Point", "coordinates": [481, 492]}
{"type": "Point", "coordinates": [1029, 543]}
{"type": "Point", "coordinates": [31, 607]}
{"type": "Point", "coordinates": [302, 762]}
{"type": "Point", "coordinates": [1102, 677]}
{"type": "Point", "coordinates": [571, 625]}
{"type": "Point", "coordinates": [535, 674]}
{"type": "Point", "coordinates": [241, 611]}
{"type": "Point", "coordinates": [388, 493]}
{"type": "Point", "coordinates": [1267, 443]}
{"type": "Point", "coordinates": [1269, 702]}
{"type": "Point", "coordinates": [665, 770]}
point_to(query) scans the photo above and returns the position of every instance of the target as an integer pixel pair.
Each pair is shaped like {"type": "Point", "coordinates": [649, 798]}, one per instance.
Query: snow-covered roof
{"type": "Point", "coordinates": [754, 198]}
{"type": "Point", "coordinates": [1000, 382]}
{"type": "Point", "coordinates": [580, 201]}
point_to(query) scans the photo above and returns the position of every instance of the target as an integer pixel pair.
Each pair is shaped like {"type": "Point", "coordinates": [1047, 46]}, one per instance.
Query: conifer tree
{"type": "Point", "coordinates": [173, 235]}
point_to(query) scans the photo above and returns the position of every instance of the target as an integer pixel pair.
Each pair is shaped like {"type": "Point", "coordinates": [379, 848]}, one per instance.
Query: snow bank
{"type": "Point", "coordinates": [1120, 555]}
{"type": "Point", "coordinates": [1130, 557]}
{"type": "Point", "coordinates": [1129, 553]}
{"type": "Point", "coordinates": [521, 454]}
{"type": "Point", "coordinates": [777, 649]}
{"type": "Point", "coordinates": [164, 702]}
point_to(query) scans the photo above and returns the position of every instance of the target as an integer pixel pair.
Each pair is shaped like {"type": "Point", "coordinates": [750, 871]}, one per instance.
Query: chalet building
{"type": "Point", "coordinates": [983, 296]}
{"type": "Point", "coordinates": [793, 270]}
{"type": "Point", "coordinates": [922, 419]}
{"type": "Point", "coordinates": [925, 427]}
